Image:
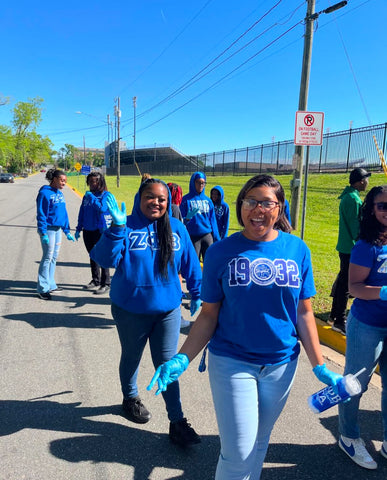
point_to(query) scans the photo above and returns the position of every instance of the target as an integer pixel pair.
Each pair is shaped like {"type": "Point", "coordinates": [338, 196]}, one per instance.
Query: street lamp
{"type": "Point", "coordinates": [311, 16]}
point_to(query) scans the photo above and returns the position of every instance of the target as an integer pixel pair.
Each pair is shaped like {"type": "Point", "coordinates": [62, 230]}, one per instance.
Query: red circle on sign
{"type": "Point", "coordinates": [309, 120]}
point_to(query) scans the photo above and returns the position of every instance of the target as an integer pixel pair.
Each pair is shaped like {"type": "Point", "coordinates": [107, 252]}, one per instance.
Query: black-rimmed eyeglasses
{"type": "Point", "coordinates": [251, 203]}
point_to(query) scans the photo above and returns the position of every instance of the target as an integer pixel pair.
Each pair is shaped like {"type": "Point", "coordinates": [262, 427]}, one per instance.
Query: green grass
{"type": "Point", "coordinates": [321, 221]}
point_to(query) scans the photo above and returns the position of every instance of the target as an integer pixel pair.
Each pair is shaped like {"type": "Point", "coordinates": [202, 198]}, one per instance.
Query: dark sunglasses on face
{"type": "Point", "coordinates": [381, 206]}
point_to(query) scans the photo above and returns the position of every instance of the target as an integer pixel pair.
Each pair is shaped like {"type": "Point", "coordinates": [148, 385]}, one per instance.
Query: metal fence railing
{"type": "Point", "coordinates": [339, 152]}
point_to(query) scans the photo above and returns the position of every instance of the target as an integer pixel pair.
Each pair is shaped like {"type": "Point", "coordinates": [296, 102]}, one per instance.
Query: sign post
{"type": "Point", "coordinates": [77, 167]}
{"type": "Point", "coordinates": [308, 131]}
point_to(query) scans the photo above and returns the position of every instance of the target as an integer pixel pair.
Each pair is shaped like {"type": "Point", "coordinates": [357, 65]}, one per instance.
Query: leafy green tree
{"type": "Point", "coordinates": [27, 115]}
{"type": "Point", "coordinates": [7, 146]}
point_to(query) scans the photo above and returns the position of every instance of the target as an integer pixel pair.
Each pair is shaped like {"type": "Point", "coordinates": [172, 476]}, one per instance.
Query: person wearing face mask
{"type": "Point", "coordinates": [199, 215]}
{"type": "Point", "coordinates": [93, 219]}
{"type": "Point", "coordinates": [148, 249]}
{"type": "Point", "coordinates": [256, 291]}
{"type": "Point", "coordinates": [52, 218]}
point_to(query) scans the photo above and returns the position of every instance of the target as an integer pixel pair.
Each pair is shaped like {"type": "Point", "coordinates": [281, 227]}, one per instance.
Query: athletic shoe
{"type": "Point", "coordinates": [101, 290]}
{"type": "Point", "coordinates": [355, 449]}
{"type": "Point", "coordinates": [383, 450]}
{"type": "Point", "coordinates": [44, 295]}
{"type": "Point", "coordinates": [135, 410]}
{"type": "Point", "coordinates": [57, 289]}
{"type": "Point", "coordinates": [91, 286]}
{"type": "Point", "coordinates": [339, 327]}
{"type": "Point", "coordinates": [181, 433]}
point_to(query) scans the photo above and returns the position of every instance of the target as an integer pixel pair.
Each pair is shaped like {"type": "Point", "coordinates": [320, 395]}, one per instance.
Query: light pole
{"type": "Point", "coordinates": [311, 16]}
{"type": "Point", "coordinates": [117, 113]}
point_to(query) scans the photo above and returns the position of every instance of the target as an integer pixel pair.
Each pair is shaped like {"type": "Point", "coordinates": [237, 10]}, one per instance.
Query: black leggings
{"type": "Point", "coordinates": [100, 276]}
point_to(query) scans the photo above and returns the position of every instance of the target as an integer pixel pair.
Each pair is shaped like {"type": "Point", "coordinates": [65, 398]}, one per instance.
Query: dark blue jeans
{"type": "Point", "coordinates": [162, 330]}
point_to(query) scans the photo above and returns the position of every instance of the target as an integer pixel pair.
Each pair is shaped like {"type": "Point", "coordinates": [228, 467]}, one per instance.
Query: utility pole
{"type": "Point", "coordinates": [134, 128]}
{"type": "Point", "coordinates": [84, 151]}
{"type": "Point", "coordinates": [302, 106]}
{"type": "Point", "coordinates": [118, 115]}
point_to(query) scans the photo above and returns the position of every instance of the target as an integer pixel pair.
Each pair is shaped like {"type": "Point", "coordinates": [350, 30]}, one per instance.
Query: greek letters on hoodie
{"type": "Point", "coordinates": [133, 251]}
{"type": "Point", "coordinates": [204, 221]}
{"type": "Point", "coordinates": [51, 210]}
{"type": "Point", "coordinates": [93, 213]}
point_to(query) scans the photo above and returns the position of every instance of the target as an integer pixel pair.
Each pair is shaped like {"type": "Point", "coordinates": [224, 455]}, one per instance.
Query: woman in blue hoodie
{"type": "Point", "coordinates": [52, 218]}
{"type": "Point", "coordinates": [199, 215]}
{"type": "Point", "coordinates": [222, 210]}
{"type": "Point", "coordinates": [148, 249]}
{"type": "Point", "coordinates": [93, 219]}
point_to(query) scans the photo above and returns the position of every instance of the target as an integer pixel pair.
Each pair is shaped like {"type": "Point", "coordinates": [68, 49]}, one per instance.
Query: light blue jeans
{"type": "Point", "coordinates": [46, 273]}
{"type": "Point", "coordinates": [366, 347]}
{"type": "Point", "coordinates": [248, 399]}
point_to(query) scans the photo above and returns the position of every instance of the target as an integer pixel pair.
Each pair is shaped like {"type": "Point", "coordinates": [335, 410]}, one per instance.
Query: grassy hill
{"type": "Point", "coordinates": [321, 221]}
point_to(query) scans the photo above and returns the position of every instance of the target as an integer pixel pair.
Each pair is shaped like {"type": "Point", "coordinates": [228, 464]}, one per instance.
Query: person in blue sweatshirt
{"type": "Point", "coordinates": [93, 219]}
{"type": "Point", "coordinates": [52, 218]}
{"type": "Point", "coordinates": [199, 215]}
{"type": "Point", "coordinates": [148, 249]}
{"type": "Point", "coordinates": [222, 211]}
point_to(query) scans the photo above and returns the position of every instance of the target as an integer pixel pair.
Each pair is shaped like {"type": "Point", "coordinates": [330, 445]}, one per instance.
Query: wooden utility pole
{"type": "Point", "coordinates": [302, 106]}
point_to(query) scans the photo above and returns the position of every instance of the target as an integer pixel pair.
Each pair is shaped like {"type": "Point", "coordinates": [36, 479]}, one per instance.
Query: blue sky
{"type": "Point", "coordinates": [82, 55]}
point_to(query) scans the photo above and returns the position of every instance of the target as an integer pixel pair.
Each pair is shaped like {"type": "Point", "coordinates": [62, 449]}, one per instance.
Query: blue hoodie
{"type": "Point", "coordinates": [222, 213]}
{"type": "Point", "coordinates": [51, 210]}
{"type": "Point", "coordinates": [93, 213]}
{"type": "Point", "coordinates": [137, 285]}
{"type": "Point", "coordinates": [204, 221]}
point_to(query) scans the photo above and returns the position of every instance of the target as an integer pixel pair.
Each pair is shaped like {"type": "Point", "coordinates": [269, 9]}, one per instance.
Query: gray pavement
{"type": "Point", "coordinates": [60, 395]}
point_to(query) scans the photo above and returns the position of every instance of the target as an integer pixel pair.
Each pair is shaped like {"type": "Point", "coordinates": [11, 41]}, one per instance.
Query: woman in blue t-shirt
{"type": "Point", "coordinates": [256, 292]}
{"type": "Point", "coordinates": [367, 321]}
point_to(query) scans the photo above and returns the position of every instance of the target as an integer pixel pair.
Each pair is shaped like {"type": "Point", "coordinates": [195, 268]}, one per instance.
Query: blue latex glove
{"type": "Point", "coordinates": [70, 237]}
{"type": "Point", "coordinates": [44, 239]}
{"type": "Point", "coordinates": [77, 235]}
{"type": "Point", "coordinates": [192, 213]}
{"type": "Point", "coordinates": [326, 376]}
{"type": "Point", "coordinates": [383, 293]}
{"type": "Point", "coordinates": [169, 372]}
{"type": "Point", "coordinates": [118, 216]}
{"type": "Point", "coordinates": [88, 194]}
{"type": "Point", "coordinates": [195, 305]}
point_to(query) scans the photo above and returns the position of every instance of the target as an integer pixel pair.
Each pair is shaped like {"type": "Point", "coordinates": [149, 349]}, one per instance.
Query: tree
{"type": "Point", "coordinates": [27, 115]}
{"type": "Point", "coordinates": [7, 146]}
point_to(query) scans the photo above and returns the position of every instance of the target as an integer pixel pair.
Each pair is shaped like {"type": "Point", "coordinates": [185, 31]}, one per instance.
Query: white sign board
{"type": "Point", "coordinates": [309, 128]}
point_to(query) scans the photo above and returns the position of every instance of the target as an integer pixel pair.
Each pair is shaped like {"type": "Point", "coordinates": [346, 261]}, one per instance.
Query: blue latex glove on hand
{"type": "Point", "coordinates": [77, 235]}
{"type": "Point", "coordinates": [192, 213]}
{"type": "Point", "coordinates": [169, 372]}
{"type": "Point", "coordinates": [44, 239]}
{"type": "Point", "coordinates": [118, 216]}
{"type": "Point", "coordinates": [326, 376]}
{"type": "Point", "coordinates": [195, 305]}
{"type": "Point", "coordinates": [383, 293]}
{"type": "Point", "coordinates": [88, 194]}
{"type": "Point", "coordinates": [70, 237]}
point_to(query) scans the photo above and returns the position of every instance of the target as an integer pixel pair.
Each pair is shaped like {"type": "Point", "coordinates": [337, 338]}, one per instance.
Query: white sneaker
{"type": "Point", "coordinates": [355, 449]}
{"type": "Point", "coordinates": [383, 450]}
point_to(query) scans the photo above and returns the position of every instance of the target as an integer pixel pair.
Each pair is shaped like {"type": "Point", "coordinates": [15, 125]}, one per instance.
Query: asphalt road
{"type": "Point", "coordinates": [60, 395]}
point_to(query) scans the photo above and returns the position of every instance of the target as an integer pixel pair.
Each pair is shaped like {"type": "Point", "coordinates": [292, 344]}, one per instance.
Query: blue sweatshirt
{"type": "Point", "coordinates": [137, 285]}
{"type": "Point", "coordinates": [51, 210]}
{"type": "Point", "coordinates": [204, 221]}
{"type": "Point", "coordinates": [93, 213]}
{"type": "Point", "coordinates": [222, 213]}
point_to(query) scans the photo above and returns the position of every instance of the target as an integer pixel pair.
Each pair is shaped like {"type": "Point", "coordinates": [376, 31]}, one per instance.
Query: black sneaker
{"type": "Point", "coordinates": [181, 433]}
{"type": "Point", "coordinates": [135, 410]}
{"type": "Point", "coordinates": [44, 295]}
{"type": "Point", "coordinates": [101, 290]}
{"type": "Point", "coordinates": [91, 286]}
{"type": "Point", "coordinates": [339, 327]}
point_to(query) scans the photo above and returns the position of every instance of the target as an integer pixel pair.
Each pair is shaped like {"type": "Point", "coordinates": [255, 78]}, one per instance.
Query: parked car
{"type": "Point", "coordinates": [6, 178]}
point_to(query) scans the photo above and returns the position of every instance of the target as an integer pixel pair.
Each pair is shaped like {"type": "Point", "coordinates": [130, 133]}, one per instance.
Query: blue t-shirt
{"type": "Point", "coordinates": [259, 285]}
{"type": "Point", "coordinates": [371, 312]}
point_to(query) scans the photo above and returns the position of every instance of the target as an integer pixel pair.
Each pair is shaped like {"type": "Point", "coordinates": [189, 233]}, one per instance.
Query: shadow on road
{"type": "Point", "coordinates": [106, 441]}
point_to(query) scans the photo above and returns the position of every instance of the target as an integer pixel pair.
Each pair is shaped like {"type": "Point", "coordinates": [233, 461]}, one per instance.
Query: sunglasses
{"type": "Point", "coordinates": [381, 206]}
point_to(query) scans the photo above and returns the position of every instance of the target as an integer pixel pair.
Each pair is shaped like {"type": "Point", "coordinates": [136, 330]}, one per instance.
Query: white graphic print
{"type": "Point", "coordinates": [383, 266]}
{"type": "Point", "coordinates": [263, 272]}
{"type": "Point", "coordinates": [142, 240]}
{"type": "Point", "coordinates": [202, 205]}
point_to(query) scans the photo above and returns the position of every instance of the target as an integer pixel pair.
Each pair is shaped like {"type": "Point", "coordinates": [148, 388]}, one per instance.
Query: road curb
{"type": "Point", "coordinates": [330, 338]}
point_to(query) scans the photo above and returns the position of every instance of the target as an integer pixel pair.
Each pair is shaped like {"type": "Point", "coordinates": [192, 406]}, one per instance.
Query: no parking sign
{"type": "Point", "coordinates": [309, 128]}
